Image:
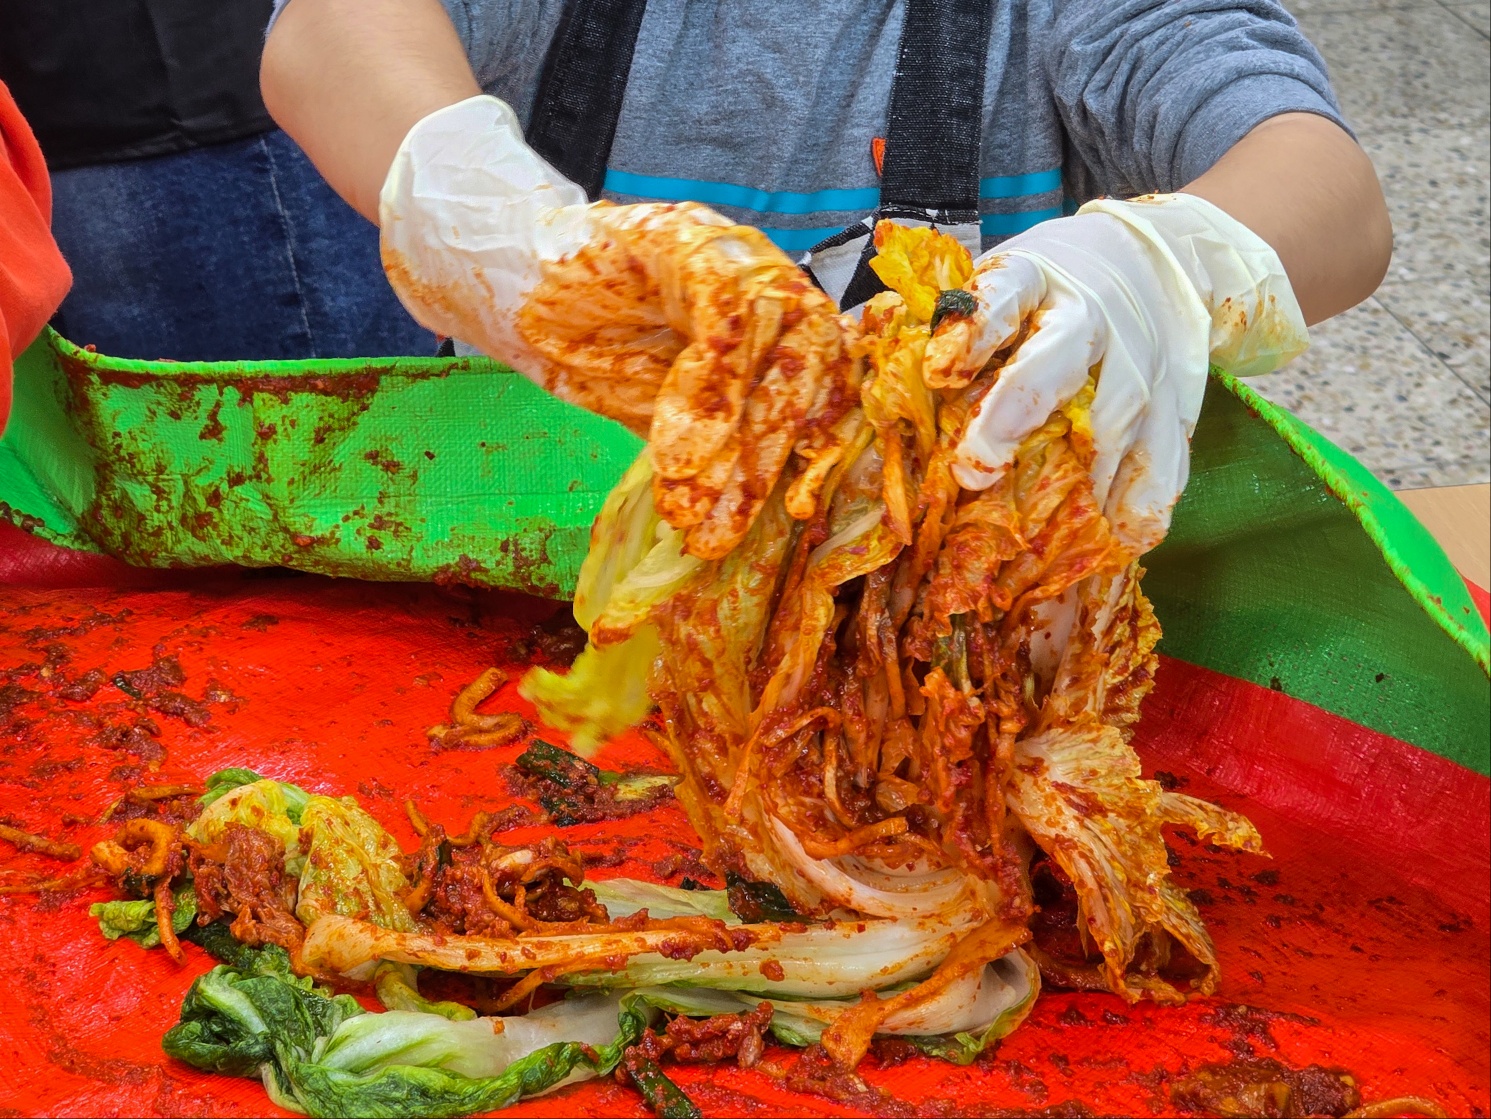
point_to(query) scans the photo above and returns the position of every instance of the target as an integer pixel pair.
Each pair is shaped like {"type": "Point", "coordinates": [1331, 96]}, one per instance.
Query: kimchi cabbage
{"type": "Point", "coordinates": [892, 706]}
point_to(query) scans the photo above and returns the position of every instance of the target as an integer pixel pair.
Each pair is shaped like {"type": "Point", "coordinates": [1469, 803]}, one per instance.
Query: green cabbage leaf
{"type": "Point", "coordinates": [636, 562]}
{"type": "Point", "coordinates": [352, 866]}
{"type": "Point", "coordinates": [324, 1055]}
{"type": "Point", "coordinates": [136, 919]}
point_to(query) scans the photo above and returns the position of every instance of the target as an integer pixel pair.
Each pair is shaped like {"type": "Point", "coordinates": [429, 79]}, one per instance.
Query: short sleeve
{"type": "Point", "coordinates": [1153, 92]}
{"type": "Point", "coordinates": [506, 42]}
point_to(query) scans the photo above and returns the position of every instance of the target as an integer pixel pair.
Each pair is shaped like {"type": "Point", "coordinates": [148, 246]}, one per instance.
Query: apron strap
{"type": "Point", "coordinates": [933, 134]}
{"type": "Point", "coordinates": [933, 142]}
{"type": "Point", "coordinates": [581, 88]}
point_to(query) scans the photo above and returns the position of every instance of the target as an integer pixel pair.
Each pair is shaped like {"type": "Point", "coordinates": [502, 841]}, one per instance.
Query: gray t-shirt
{"type": "Point", "coordinates": [766, 109]}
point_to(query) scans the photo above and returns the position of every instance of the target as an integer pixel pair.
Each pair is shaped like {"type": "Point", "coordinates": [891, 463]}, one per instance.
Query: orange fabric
{"type": "Point", "coordinates": [33, 275]}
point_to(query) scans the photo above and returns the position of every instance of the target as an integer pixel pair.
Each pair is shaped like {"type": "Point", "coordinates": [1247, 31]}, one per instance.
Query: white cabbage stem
{"type": "Point", "coordinates": [959, 899]}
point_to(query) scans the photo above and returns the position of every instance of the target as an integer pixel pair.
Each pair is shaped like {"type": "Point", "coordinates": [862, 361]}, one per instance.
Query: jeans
{"type": "Point", "coordinates": [232, 252]}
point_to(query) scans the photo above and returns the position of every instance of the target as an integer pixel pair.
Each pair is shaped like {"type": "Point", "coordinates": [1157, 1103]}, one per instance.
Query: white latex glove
{"type": "Point", "coordinates": [1145, 291]}
{"type": "Point", "coordinates": [468, 214]}
{"type": "Point", "coordinates": [697, 333]}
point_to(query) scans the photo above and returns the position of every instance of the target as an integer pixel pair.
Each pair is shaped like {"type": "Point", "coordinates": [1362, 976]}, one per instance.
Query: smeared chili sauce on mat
{"type": "Point", "coordinates": [1340, 951]}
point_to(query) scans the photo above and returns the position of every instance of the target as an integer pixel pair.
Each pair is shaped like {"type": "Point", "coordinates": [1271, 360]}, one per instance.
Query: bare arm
{"type": "Point", "coordinates": [1304, 186]}
{"type": "Point", "coordinates": [347, 79]}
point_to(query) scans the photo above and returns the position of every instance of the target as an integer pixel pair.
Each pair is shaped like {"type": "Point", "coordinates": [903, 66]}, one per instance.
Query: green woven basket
{"type": "Point", "coordinates": [1288, 564]}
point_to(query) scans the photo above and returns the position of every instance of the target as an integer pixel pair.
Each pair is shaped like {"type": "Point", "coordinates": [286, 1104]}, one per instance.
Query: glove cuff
{"type": "Point", "coordinates": [468, 214]}
{"type": "Point", "coordinates": [1256, 322]}
{"type": "Point", "coordinates": [481, 133]}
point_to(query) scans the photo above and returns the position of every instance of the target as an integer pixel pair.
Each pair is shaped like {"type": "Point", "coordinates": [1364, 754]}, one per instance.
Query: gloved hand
{"type": "Point", "coordinates": [1143, 292]}
{"type": "Point", "coordinates": [696, 333]}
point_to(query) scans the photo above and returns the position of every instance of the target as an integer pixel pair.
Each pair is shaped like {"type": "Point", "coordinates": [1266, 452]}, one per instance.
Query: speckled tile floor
{"type": "Point", "coordinates": [1404, 381]}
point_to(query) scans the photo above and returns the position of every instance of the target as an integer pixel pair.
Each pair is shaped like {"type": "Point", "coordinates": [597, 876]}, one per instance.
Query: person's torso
{"type": "Point", "coordinates": [769, 111]}
{"type": "Point", "coordinates": [123, 79]}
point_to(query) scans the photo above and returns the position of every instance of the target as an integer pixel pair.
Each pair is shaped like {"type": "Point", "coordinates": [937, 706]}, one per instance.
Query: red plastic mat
{"type": "Point", "coordinates": [1363, 943]}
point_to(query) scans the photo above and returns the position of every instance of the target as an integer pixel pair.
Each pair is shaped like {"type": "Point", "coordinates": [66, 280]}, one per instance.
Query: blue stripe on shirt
{"type": "Point", "coordinates": [1018, 186]}
{"type": "Point", "coordinates": [798, 203]}
{"type": "Point", "coordinates": [746, 198]}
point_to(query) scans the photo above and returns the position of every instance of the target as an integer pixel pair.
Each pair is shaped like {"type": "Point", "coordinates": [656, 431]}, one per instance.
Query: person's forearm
{"type": "Point", "coordinates": [1304, 186]}
{"type": "Point", "coordinates": [347, 79]}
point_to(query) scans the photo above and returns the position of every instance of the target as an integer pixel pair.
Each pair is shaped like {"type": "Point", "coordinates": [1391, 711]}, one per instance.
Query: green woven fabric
{"type": "Point", "coordinates": [401, 469]}
{"type": "Point", "coordinates": [1287, 565]}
